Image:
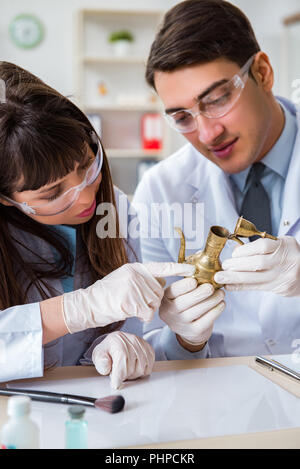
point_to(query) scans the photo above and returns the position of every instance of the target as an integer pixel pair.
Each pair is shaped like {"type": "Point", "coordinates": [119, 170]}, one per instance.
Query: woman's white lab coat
{"type": "Point", "coordinates": [253, 322]}
{"type": "Point", "coordinates": [21, 352]}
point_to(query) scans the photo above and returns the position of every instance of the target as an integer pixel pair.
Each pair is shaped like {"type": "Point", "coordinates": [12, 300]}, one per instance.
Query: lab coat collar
{"type": "Point", "coordinates": [278, 158]}
{"type": "Point", "coordinates": [291, 200]}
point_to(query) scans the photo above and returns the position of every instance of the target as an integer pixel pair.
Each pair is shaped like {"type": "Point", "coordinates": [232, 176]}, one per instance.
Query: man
{"type": "Point", "coordinates": [242, 158]}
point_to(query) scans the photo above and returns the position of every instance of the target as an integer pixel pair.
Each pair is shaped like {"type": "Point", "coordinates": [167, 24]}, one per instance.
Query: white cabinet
{"type": "Point", "coordinates": [111, 86]}
{"type": "Point", "coordinates": [290, 59]}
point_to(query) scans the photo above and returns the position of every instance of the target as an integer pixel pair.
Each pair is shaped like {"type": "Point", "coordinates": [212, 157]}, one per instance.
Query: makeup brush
{"type": "Point", "coordinates": [111, 404]}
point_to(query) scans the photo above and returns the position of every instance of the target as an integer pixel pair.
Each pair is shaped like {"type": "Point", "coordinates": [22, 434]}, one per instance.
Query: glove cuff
{"type": "Point", "coordinates": [64, 314]}
{"type": "Point", "coordinates": [193, 346]}
{"type": "Point", "coordinates": [76, 313]}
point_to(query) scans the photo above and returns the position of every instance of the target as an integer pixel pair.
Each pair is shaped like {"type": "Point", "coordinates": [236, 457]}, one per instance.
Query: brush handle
{"type": "Point", "coordinates": [46, 396]}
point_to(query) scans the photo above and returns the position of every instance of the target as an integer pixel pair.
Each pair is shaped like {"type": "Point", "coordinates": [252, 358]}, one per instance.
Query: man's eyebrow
{"type": "Point", "coordinates": [200, 96]}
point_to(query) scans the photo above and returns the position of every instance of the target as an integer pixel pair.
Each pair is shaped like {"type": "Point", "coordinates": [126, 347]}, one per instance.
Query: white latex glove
{"type": "Point", "coordinates": [123, 356]}
{"type": "Point", "coordinates": [190, 310]}
{"type": "Point", "coordinates": [264, 264]}
{"type": "Point", "coordinates": [131, 290]}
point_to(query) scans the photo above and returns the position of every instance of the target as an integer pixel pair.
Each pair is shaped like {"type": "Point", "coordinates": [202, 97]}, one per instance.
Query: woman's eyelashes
{"type": "Point", "coordinates": [58, 192]}
{"type": "Point", "coordinates": [51, 197]}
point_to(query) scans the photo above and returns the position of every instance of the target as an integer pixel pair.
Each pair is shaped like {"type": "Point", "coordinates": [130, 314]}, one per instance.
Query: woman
{"type": "Point", "coordinates": [64, 292]}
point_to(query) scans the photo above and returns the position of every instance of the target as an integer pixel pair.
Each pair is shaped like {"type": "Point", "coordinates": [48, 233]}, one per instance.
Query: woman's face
{"type": "Point", "coordinates": [82, 209]}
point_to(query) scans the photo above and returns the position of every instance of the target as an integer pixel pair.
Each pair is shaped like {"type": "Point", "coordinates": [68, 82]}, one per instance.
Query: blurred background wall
{"type": "Point", "coordinates": [55, 59]}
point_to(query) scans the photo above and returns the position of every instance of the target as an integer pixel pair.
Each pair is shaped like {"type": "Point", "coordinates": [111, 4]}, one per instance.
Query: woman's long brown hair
{"type": "Point", "coordinates": [42, 136]}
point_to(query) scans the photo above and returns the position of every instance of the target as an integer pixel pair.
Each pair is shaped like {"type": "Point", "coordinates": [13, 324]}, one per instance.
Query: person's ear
{"type": "Point", "coordinates": [263, 72]}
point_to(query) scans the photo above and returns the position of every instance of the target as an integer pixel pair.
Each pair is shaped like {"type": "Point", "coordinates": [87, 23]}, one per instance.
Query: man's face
{"type": "Point", "coordinates": [238, 139]}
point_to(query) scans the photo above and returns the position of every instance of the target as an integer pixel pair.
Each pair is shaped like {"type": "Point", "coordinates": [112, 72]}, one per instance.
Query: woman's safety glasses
{"type": "Point", "coordinates": [216, 103]}
{"type": "Point", "coordinates": [68, 198]}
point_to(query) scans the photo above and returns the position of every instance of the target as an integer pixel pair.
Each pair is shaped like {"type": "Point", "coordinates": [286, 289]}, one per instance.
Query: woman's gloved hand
{"type": "Point", "coordinates": [190, 310]}
{"type": "Point", "coordinates": [264, 264]}
{"type": "Point", "coordinates": [124, 357]}
{"type": "Point", "coordinates": [133, 290]}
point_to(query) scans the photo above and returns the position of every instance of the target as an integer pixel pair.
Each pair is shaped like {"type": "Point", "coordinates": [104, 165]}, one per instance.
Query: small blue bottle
{"type": "Point", "coordinates": [76, 428]}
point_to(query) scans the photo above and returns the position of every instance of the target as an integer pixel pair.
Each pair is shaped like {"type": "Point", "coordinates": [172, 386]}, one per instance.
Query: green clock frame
{"type": "Point", "coordinates": [39, 31]}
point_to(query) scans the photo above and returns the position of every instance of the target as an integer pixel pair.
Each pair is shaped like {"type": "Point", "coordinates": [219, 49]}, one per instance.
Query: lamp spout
{"type": "Point", "coordinates": [181, 254]}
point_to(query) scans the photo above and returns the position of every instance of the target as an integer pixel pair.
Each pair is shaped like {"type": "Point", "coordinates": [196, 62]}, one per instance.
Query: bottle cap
{"type": "Point", "coordinates": [76, 411]}
{"type": "Point", "coordinates": [18, 406]}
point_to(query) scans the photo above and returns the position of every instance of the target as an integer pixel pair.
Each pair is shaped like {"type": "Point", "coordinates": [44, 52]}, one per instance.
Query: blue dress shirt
{"type": "Point", "coordinates": [69, 234]}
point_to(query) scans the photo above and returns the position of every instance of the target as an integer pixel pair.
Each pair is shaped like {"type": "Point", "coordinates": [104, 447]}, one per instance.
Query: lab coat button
{"type": "Point", "coordinates": [286, 223]}
{"type": "Point", "coordinates": [194, 200]}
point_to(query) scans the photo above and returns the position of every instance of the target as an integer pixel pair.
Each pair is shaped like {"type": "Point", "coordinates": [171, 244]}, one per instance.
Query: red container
{"type": "Point", "coordinates": [152, 131]}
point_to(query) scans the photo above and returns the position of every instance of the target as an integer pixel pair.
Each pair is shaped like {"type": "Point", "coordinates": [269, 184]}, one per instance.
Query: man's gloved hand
{"type": "Point", "coordinates": [133, 290]}
{"type": "Point", "coordinates": [264, 264]}
{"type": "Point", "coordinates": [124, 357]}
{"type": "Point", "coordinates": [190, 310]}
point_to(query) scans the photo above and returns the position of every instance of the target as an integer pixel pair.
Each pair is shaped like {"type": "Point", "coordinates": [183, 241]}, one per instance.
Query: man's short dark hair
{"type": "Point", "coordinates": [200, 31]}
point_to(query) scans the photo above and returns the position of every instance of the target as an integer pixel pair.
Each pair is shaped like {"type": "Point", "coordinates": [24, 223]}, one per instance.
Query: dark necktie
{"type": "Point", "coordinates": [256, 205]}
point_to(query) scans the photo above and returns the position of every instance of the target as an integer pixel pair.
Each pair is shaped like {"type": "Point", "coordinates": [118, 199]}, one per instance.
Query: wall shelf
{"type": "Point", "coordinates": [112, 59]}
{"type": "Point", "coordinates": [111, 88]}
{"type": "Point", "coordinates": [133, 153]}
{"type": "Point", "coordinates": [122, 107]}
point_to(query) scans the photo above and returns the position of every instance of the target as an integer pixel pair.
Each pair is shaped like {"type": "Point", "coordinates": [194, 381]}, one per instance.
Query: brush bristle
{"type": "Point", "coordinates": [111, 404]}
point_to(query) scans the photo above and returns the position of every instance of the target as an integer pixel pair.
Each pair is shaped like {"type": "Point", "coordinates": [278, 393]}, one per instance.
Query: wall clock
{"type": "Point", "coordinates": [26, 31]}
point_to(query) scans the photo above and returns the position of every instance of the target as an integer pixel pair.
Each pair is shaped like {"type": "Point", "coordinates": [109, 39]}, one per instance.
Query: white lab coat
{"type": "Point", "coordinates": [21, 352]}
{"type": "Point", "coordinates": [253, 322]}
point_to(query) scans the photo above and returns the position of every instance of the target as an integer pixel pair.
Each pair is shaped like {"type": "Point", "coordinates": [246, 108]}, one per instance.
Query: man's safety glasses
{"type": "Point", "coordinates": [215, 104]}
{"type": "Point", "coordinates": [68, 198]}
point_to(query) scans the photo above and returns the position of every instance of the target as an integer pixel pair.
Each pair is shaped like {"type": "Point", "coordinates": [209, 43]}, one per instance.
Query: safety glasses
{"type": "Point", "coordinates": [68, 198]}
{"type": "Point", "coordinates": [215, 104]}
